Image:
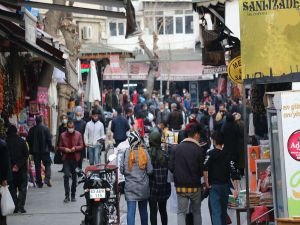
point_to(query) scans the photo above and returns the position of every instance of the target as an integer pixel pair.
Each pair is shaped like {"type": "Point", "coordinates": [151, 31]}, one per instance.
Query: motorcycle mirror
{"type": "Point", "coordinates": [112, 157]}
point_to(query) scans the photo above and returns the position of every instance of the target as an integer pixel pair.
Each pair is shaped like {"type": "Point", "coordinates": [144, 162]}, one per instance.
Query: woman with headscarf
{"type": "Point", "coordinates": [136, 167]}
{"type": "Point", "coordinates": [160, 188]}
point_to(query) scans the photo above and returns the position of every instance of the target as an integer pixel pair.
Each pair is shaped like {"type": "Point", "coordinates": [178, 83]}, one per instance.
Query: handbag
{"type": "Point", "coordinates": [7, 203]}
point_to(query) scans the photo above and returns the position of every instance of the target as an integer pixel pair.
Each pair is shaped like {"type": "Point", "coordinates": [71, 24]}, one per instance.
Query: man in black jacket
{"type": "Point", "coordinates": [188, 168]}
{"type": "Point", "coordinates": [18, 150]}
{"type": "Point", "coordinates": [175, 119]}
{"type": "Point", "coordinates": [4, 172]}
{"type": "Point", "coordinates": [80, 124]}
{"type": "Point", "coordinates": [119, 127]}
{"type": "Point", "coordinates": [39, 140]}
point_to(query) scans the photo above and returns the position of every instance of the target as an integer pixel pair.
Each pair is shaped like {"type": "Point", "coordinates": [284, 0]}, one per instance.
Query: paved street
{"type": "Point", "coordinates": [45, 206]}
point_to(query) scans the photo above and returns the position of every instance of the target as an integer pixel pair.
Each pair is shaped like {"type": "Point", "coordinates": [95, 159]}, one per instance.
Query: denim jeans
{"type": "Point", "coordinates": [94, 154]}
{"type": "Point", "coordinates": [183, 204]}
{"type": "Point", "coordinates": [218, 201]}
{"type": "Point", "coordinates": [131, 207]}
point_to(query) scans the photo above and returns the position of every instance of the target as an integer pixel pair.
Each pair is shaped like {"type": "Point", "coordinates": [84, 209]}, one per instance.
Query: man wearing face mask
{"type": "Point", "coordinates": [80, 124]}
{"type": "Point", "coordinates": [70, 144]}
{"type": "Point", "coordinates": [162, 114]}
{"type": "Point", "coordinates": [94, 137]}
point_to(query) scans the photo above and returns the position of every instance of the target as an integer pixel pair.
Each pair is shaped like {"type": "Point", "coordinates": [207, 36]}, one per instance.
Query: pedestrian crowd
{"type": "Point", "coordinates": [197, 150]}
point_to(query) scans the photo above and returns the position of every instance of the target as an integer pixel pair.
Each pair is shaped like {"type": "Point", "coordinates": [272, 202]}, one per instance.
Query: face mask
{"type": "Point", "coordinates": [71, 130]}
{"type": "Point", "coordinates": [65, 121]}
{"type": "Point", "coordinates": [78, 118]}
{"type": "Point", "coordinates": [167, 107]}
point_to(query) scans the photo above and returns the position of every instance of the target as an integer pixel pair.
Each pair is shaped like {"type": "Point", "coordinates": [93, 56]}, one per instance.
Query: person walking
{"type": "Point", "coordinates": [4, 169]}
{"type": "Point", "coordinates": [136, 167]}
{"type": "Point", "coordinates": [218, 169]}
{"type": "Point", "coordinates": [94, 137]}
{"type": "Point", "coordinates": [62, 128]}
{"type": "Point", "coordinates": [19, 154]}
{"type": "Point", "coordinates": [187, 164]}
{"type": "Point", "coordinates": [162, 115]}
{"type": "Point", "coordinates": [160, 188]}
{"type": "Point", "coordinates": [175, 118]}
{"type": "Point", "coordinates": [70, 145]}
{"type": "Point", "coordinates": [39, 141]}
{"type": "Point", "coordinates": [79, 125]}
{"type": "Point", "coordinates": [119, 127]}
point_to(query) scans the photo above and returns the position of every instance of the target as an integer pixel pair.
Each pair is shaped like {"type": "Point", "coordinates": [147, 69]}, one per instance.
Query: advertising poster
{"type": "Point", "coordinates": [291, 140]}
{"type": "Point", "coordinates": [270, 42]}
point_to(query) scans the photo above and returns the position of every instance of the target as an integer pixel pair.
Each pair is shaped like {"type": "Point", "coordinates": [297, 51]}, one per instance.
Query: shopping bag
{"type": "Point", "coordinates": [7, 203]}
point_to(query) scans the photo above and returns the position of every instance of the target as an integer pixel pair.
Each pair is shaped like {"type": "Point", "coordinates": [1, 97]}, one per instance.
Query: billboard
{"type": "Point", "coordinates": [270, 43]}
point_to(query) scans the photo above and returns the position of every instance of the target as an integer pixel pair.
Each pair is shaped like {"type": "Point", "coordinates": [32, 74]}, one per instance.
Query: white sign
{"type": "Point", "coordinates": [30, 27]}
{"type": "Point", "coordinates": [291, 143]}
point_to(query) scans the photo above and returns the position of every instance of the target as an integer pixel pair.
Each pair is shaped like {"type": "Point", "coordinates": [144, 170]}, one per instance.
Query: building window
{"type": "Point", "coordinates": [160, 25]}
{"type": "Point", "coordinates": [121, 28]}
{"type": "Point", "coordinates": [169, 24]}
{"type": "Point", "coordinates": [189, 27]}
{"type": "Point", "coordinates": [179, 25]}
{"type": "Point", "coordinates": [113, 29]}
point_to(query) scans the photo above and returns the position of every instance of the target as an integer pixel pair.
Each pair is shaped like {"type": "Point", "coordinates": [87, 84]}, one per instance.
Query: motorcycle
{"type": "Point", "coordinates": [100, 192]}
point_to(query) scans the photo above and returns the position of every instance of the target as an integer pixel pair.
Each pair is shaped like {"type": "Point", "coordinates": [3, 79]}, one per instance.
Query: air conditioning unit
{"type": "Point", "coordinates": [87, 33]}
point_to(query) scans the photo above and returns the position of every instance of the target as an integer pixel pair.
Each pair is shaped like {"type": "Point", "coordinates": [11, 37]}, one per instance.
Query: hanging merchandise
{"type": "Point", "coordinates": [1, 88]}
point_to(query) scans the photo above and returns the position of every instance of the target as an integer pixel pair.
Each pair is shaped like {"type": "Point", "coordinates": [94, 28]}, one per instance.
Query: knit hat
{"type": "Point", "coordinates": [134, 139]}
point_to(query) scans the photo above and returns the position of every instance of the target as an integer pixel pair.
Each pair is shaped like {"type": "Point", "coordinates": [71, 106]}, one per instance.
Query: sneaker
{"type": "Point", "coordinates": [67, 199]}
{"type": "Point", "coordinates": [73, 199]}
{"type": "Point", "coordinates": [22, 211]}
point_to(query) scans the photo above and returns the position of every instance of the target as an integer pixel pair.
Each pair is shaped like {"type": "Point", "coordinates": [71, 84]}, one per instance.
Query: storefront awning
{"type": "Point", "coordinates": [207, 3]}
{"type": "Point", "coordinates": [16, 35]}
{"type": "Point", "coordinates": [173, 71]}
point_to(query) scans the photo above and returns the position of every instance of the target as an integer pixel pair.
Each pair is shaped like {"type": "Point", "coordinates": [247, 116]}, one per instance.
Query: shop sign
{"type": "Point", "coordinates": [114, 63]}
{"type": "Point", "coordinates": [291, 139]}
{"type": "Point", "coordinates": [214, 69]}
{"type": "Point", "coordinates": [30, 27]}
{"type": "Point", "coordinates": [294, 145]}
{"type": "Point", "coordinates": [269, 38]}
{"type": "Point", "coordinates": [235, 70]}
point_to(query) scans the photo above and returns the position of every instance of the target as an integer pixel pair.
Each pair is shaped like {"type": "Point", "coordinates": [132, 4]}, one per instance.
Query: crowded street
{"type": "Point", "coordinates": [45, 206]}
{"type": "Point", "coordinates": [149, 112]}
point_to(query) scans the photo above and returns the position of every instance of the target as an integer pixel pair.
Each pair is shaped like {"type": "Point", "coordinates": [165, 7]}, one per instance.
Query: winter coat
{"type": "Point", "coordinates": [68, 140]}
{"type": "Point", "coordinates": [187, 164]}
{"type": "Point", "coordinates": [39, 139]}
{"type": "Point", "coordinates": [4, 161]}
{"type": "Point", "coordinates": [119, 127]}
{"type": "Point", "coordinates": [231, 133]}
{"type": "Point", "coordinates": [162, 116]}
{"type": "Point", "coordinates": [18, 150]}
{"type": "Point", "coordinates": [160, 188]}
{"type": "Point", "coordinates": [136, 181]}
{"type": "Point", "coordinates": [175, 120]}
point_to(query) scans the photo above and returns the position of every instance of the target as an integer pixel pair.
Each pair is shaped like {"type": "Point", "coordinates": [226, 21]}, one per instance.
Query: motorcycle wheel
{"type": "Point", "coordinates": [98, 215]}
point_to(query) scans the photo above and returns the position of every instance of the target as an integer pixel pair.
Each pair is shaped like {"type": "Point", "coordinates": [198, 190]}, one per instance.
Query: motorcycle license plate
{"type": "Point", "coordinates": [97, 193]}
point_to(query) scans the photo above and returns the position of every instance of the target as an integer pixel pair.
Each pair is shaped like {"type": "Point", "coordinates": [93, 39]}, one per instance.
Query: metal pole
{"type": "Point", "coordinates": [246, 157]}
{"type": "Point", "coordinates": [128, 81]}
